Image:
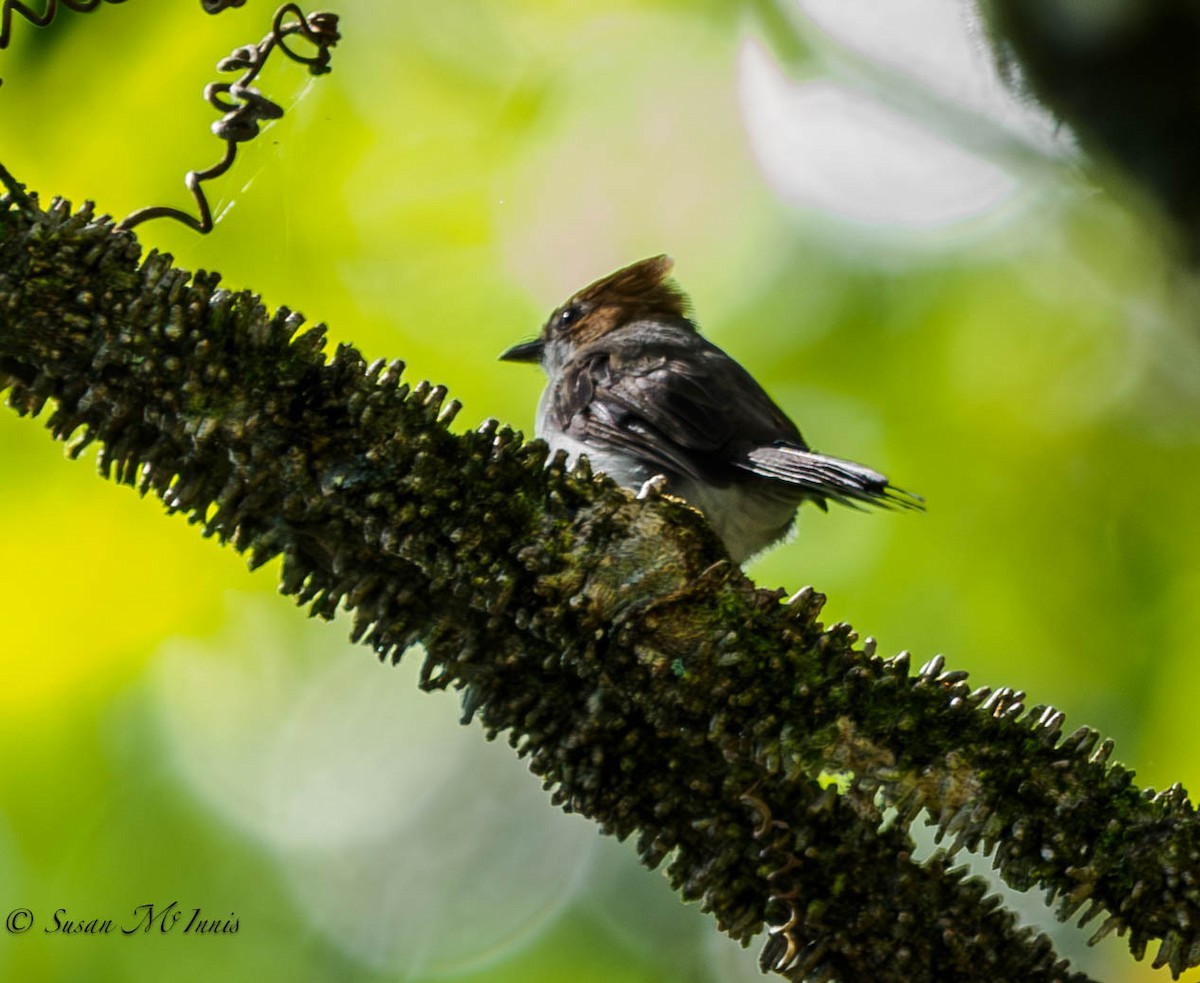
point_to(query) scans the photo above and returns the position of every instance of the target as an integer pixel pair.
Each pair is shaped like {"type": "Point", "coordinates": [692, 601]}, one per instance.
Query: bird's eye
{"type": "Point", "coordinates": [569, 315]}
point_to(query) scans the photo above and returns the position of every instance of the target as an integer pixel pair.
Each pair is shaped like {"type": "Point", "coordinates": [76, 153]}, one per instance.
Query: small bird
{"type": "Point", "coordinates": [634, 386]}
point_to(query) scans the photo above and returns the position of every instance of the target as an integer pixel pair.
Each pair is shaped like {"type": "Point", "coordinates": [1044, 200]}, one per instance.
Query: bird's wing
{"type": "Point", "coordinates": [689, 410]}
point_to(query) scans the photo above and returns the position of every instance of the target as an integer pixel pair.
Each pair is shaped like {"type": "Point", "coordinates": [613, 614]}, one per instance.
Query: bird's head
{"type": "Point", "coordinates": [639, 292]}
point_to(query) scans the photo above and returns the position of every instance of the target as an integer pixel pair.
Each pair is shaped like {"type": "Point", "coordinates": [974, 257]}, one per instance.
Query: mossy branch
{"type": "Point", "coordinates": [650, 684]}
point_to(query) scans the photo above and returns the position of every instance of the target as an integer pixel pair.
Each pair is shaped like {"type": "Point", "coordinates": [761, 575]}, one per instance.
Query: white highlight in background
{"type": "Point", "coordinates": [940, 45]}
{"type": "Point", "coordinates": [825, 146]}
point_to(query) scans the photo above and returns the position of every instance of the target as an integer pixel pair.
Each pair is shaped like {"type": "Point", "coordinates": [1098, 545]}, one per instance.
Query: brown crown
{"type": "Point", "coordinates": [637, 292]}
{"type": "Point", "coordinates": [643, 286]}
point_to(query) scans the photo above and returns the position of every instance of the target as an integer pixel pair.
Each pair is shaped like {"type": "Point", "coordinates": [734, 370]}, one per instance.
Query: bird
{"type": "Point", "coordinates": [634, 386]}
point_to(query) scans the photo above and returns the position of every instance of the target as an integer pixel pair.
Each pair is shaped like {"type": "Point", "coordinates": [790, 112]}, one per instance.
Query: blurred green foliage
{"type": "Point", "coordinates": [1035, 375]}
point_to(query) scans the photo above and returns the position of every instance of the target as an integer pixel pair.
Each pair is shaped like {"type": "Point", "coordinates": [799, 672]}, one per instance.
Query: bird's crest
{"type": "Point", "coordinates": [637, 292]}
{"type": "Point", "coordinates": [642, 287]}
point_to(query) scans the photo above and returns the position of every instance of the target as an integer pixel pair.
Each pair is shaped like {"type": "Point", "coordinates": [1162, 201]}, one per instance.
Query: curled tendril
{"type": "Point", "coordinates": [245, 107]}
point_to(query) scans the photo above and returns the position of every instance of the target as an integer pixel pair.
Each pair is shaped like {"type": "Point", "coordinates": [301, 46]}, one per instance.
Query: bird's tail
{"type": "Point", "coordinates": [828, 477]}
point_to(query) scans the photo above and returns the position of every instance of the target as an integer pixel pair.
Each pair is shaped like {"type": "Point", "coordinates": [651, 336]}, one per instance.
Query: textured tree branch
{"type": "Point", "coordinates": [650, 684]}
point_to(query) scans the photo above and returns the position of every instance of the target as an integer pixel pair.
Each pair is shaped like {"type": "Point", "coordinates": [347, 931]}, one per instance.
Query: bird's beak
{"type": "Point", "coordinates": [527, 351]}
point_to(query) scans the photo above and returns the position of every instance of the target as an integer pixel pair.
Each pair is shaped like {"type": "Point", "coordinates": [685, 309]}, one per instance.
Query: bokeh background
{"type": "Point", "coordinates": [913, 261]}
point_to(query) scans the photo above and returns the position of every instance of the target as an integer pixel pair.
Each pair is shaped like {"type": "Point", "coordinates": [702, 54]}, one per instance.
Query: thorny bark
{"type": "Point", "coordinates": [650, 684]}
